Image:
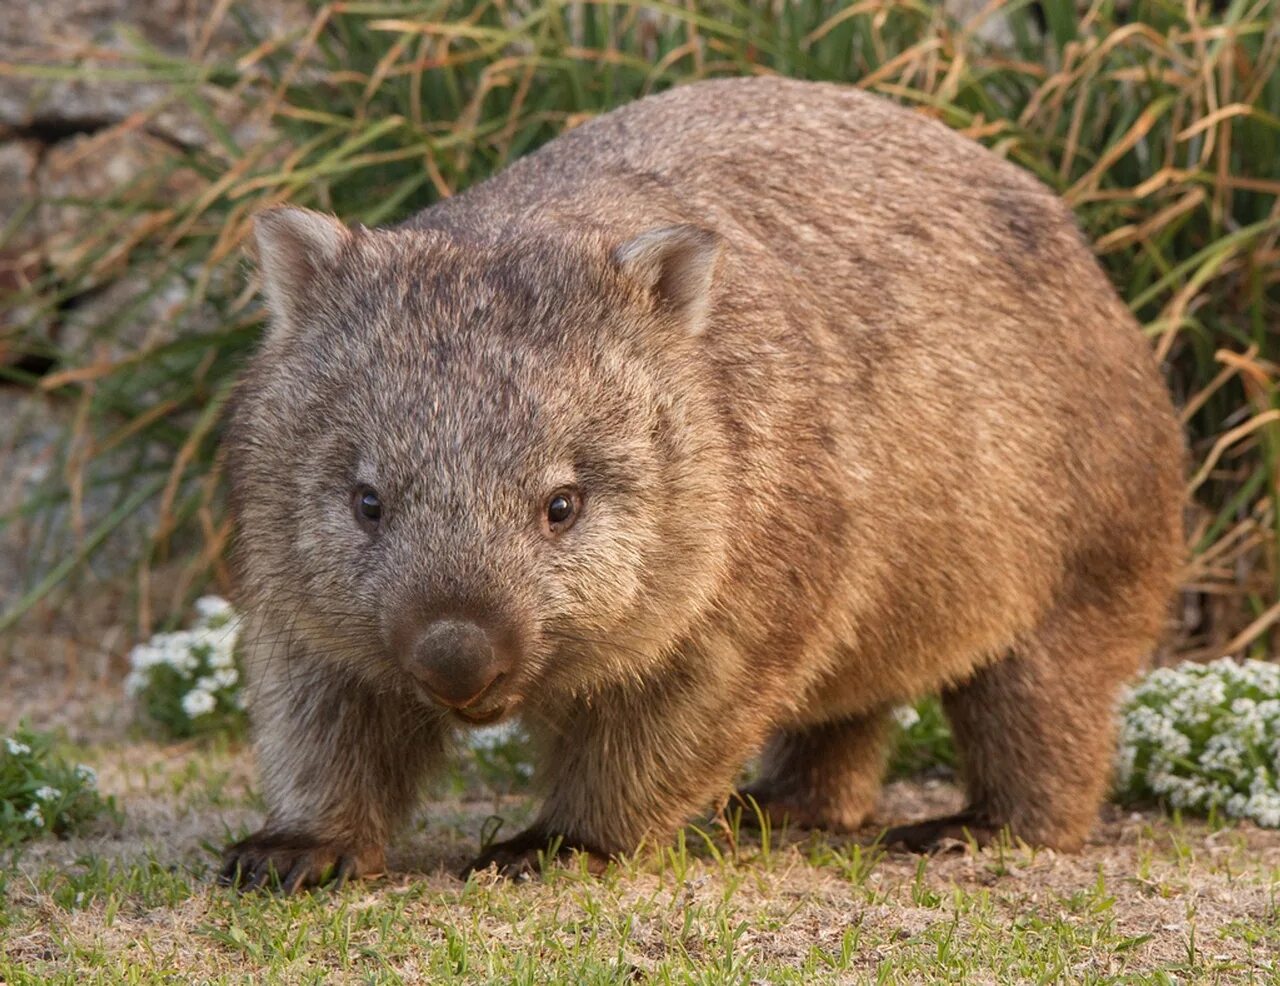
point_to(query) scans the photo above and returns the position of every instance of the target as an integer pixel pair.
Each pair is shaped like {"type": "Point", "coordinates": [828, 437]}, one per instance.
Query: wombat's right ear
{"type": "Point", "coordinates": [296, 247]}
{"type": "Point", "coordinates": [675, 266]}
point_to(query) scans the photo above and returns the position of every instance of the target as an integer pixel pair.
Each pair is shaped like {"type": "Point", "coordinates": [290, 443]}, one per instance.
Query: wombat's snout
{"type": "Point", "coordinates": [456, 662]}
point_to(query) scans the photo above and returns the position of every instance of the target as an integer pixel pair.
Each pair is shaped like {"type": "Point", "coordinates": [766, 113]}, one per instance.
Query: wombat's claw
{"type": "Point", "coordinates": [941, 834]}
{"type": "Point", "coordinates": [521, 857]}
{"type": "Point", "coordinates": [509, 865]}
{"type": "Point", "coordinates": [293, 864]}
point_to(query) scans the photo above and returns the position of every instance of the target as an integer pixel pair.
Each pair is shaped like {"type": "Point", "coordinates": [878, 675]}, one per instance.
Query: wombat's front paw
{"type": "Point", "coordinates": [521, 856]}
{"type": "Point", "coordinates": [295, 861]}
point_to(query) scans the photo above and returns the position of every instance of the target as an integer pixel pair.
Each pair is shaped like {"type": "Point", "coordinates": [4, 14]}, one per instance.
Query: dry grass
{"type": "Point", "coordinates": [1148, 900]}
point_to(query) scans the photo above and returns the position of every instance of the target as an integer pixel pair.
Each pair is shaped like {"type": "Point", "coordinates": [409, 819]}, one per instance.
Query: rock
{"type": "Point", "coordinates": [21, 253]}
{"type": "Point", "coordinates": [98, 37]}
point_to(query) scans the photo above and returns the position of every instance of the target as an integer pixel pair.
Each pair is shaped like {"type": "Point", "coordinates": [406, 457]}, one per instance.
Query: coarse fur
{"type": "Point", "coordinates": [854, 416]}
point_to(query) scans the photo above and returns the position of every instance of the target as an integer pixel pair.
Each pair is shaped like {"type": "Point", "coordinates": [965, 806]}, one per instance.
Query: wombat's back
{"type": "Point", "coordinates": [893, 293]}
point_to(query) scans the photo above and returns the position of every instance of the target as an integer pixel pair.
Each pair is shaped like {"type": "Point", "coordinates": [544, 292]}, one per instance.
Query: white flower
{"type": "Point", "coordinates": [222, 654]}
{"type": "Point", "coordinates": [906, 715]}
{"type": "Point", "coordinates": [135, 682]}
{"type": "Point", "coordinates": [492, 737]}
{"type": "Point", "coordinates": [16, 749]}
{"type": "Point", "coordinates": [47, 793]}
{"type": "Point", "coordinates": [1205, 735]}
{"type": "Point", "coordinates": [211, 607]}
{"type": "Point", "coordinates": [145, 656]}
{"type": "Point", "coordinates": [198, 702]}
{"type": "Point", "coordinates": [1223, 752]}
{"type": "Point", "coordinates": [86, 773]}
{"type": "Point", "coordinates": [173, 649]}
{"type": "Point", "coordinates": [215, 644]}
{"type": "Point", "coordinates": [180, 650]}
{"type": "Point", "coordinates": [34, 816]}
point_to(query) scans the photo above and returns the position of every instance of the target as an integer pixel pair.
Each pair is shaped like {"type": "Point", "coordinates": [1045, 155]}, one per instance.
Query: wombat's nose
{"type": "Point", "coordinates": [456, 663]}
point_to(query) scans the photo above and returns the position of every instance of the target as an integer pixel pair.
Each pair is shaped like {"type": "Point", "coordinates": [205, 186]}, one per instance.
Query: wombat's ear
{"type": "Point", "coordinates": [296, 247]}
{"type": "Point", "coordinates": [675, 264]}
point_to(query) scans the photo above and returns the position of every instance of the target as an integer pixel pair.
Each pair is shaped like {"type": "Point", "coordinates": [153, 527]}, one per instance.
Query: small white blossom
{"type": "Point", "coordinates": [135, 682]}
{"type": "Point", "coordinates": [145, 656]}
{"type": "Point", "coordinates": [47, 793]}
{"type": "Point", "coordinates": [906, 715]}
{"type": "Point", "coordinates": [86, 773]}
{"type": "Point", "coordinates": [198, 702]}
{"type": "Point", "coordinates": [1223, 752]}
{"type": "Point", "coordinates": [211, 607]}
{"type": "Point", "coordinates": [221, 653]}
{"type": "Point", "coordinates": [34, 815]}
{"type": "Point", "coordinates": [15, 748]}
{"type": "Point", "coordinates": [492, 737]}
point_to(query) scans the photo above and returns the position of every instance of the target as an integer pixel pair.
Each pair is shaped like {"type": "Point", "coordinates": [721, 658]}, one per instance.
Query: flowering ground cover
{"type": "Point", "coordinates": [187, 682]}
{"type": "Point", "coordinates": [1151, 899]}
{"type": "Point", "coordinates": [40, 792]}
{"type": "Point", "coordinates": [127, 894]}
{"type": "Point", "coordinates": [1206, 738]}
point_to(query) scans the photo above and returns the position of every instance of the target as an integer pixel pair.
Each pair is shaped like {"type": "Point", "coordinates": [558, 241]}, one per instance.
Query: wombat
{"type": "Point", "coordinates": [719, 426]}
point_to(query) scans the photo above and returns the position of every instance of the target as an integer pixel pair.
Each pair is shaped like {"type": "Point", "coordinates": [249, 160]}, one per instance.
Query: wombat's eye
{"type": "Point", "coordinates": [367, 505]}
{"type": "Point", "coordinates": [562, 510]}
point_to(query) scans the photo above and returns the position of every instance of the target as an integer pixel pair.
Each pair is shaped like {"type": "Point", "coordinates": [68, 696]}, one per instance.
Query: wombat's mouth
{"type": "Point", "coordinates": [485, 712]}
{"type": "Point", "coordinates": [483, 717]}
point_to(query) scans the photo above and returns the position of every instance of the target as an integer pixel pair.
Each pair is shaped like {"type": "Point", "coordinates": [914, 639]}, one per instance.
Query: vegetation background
{"type": "Point", "coordinates": [137, 140]}
{"type": "Point", "coordinates": [1159, 121]}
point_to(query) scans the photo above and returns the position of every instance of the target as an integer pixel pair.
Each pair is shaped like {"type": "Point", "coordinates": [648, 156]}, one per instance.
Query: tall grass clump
{"type": "Point", "coordinates": [1158, 121]}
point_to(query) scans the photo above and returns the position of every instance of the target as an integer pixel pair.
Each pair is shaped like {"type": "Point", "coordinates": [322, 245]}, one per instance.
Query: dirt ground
{"type": "Point", "coordinates": [1150, 897]}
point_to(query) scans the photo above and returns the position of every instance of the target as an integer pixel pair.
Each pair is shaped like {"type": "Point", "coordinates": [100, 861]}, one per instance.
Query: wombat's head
{"type": "Point", "coordinates": [482, 469]}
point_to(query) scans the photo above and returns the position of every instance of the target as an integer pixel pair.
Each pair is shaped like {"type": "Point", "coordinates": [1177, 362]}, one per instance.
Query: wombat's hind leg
{"type": "Point", "coordinates": [1034, 733]}
{"type": "Point", "coordinates": [945, 831]}
{"type": "Point", "coordinates": [825, 776]}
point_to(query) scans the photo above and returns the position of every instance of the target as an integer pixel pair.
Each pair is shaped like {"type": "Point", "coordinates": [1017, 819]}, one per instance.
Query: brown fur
{"type": "Point", "coordinates": [867, 421]}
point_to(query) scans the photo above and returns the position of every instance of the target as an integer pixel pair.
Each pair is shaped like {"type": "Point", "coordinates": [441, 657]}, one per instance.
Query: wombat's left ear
{"type": "Point", "coordinates": [675, 264]}
{"type": "Point", "coordinates": [296, 248]}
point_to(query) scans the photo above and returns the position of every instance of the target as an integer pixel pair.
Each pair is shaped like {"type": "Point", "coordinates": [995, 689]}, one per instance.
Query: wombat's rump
{"type": "Point", "coordinates": [724, 423]}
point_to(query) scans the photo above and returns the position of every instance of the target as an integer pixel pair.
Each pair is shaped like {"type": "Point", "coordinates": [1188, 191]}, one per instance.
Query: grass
{"type": "Point", "coordinates": [130, 897]}
{"type": "Point", "coordinates": [40, 792]}
{"type": "Point", "coordinates": [1158, 121]}
{"type": "Point", "coordinates": [1151, 900]}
